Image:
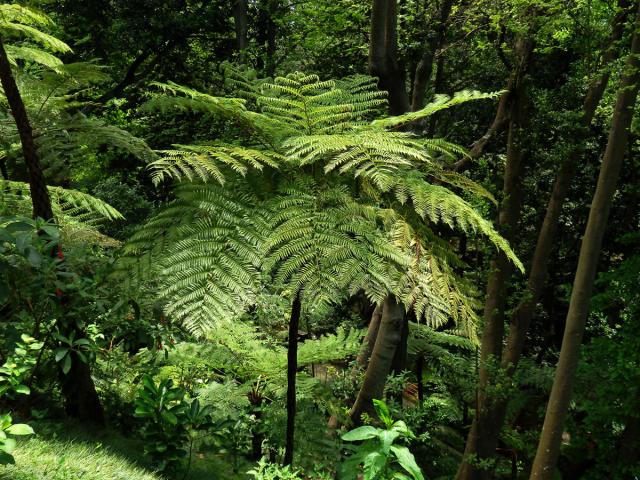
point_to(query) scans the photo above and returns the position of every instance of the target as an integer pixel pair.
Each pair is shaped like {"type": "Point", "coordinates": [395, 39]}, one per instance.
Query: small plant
{"type": "Point", "coordinates": [377, 458]}
{"type": "Point", "coordinates": [18, 365]}
{"type": "Point", "coordinates": [162, 407]}
{"type": "Point", "coordinates": [272, 471]}
{"type": "Point", "coordinates": [82, 347]}
{"type": "Point", "coordinates": [8, 444]}
{"type": "Point", "coordinates": [171, 423]}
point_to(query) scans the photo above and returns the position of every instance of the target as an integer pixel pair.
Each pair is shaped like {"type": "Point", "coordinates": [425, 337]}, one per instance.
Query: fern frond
{"type": "Point", "coordinates": [441, 102]}
{"type": "Point", "coordinates": [202, 161]}
{"type": "Point", "coordinates": [66, 202]}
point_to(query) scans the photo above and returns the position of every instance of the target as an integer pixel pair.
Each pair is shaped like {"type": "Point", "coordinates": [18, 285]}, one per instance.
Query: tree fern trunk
{"type": "Point", "coordinates": [241, 27]}
{"type": "Point", "coordinates": [292, 369]}
{"type": "Point", "coordinates": [388, 339]}
{"type": "Point", "coordinates": [551, 436]}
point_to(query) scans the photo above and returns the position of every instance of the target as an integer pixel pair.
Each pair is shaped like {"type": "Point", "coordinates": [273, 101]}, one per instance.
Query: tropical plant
{"type": "Point", "coordinates": [15, 369]}
{"type": "Point", "coordinates": [8, 444]}
{"type": "Point", "coordinates": [378, 458]}
{"type": "Point", "coordinates": [170, 423]}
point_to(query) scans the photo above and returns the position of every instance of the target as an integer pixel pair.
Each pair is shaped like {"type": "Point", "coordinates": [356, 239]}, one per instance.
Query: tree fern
{"type": "Point", "coordinates": [325, 232]}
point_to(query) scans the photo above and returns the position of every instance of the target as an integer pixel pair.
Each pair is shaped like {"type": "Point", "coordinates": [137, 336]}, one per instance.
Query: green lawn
{"type": "Point", "coordinates": [68, 451]}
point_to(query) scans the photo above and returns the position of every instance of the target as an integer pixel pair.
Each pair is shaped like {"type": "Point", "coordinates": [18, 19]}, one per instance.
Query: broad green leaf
{"type": "Point", "coordinates": [387, 438]}
{"type": "Point", "coordinates": [361, 433]}
{"type": "Point", "coordinates": [407, 461]}
{"type": "Point", "coordinates": [20, 429]}
{"type": "Point", "coordinates": [23, 389]}
{"type": "Point", "coordinates": [66, 364]}
{"type": "Point", "coordinates": [374, 463]}
{"type": "Point", "coordinates": [60, 353]}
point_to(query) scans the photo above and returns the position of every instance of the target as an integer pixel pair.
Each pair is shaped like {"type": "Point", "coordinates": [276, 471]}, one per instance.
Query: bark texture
{"type": "Point", "coordinates": [480, 441]}
{"type": "Point", "coordinates": [38, 187]}
{"type": "Point", "coordinates": [383, 57]}
{"type": "Point", "coordinates": [550, 439]}
{"type": "Point", "coordinates": [241, 25]}
{"type": "Point", "coordinates": [370, 338]}
{"type": "Point", "coordinates": [387, 341]}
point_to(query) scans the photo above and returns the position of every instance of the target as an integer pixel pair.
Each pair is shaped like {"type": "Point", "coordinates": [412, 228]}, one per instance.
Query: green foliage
{"type": "Point", "coordinates": [14, 371]}
{"type": "Point", "coordinates": [56, 459]}
{"type": "Point", "coordinates": [316, 235]}
{"type": "Point", "coordinates": [271, 471]}
{"type": "Point", "coordinates": [378, 457]}
{"type": "Point", "coordinates": [8, 444]}
{"type": "Point", "coordinates": [170, 422]}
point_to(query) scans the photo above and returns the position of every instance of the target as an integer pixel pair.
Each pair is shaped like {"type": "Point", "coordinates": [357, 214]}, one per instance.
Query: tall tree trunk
{"type": "Point", "coordinates": [388, 339]}
{"type": "Point", "coordinates": [383, 58]}
{"type": "Point", "coordinates": [39, 194]}
{"type": "Point", "coordinates": [81, 398]}
{"type": "Point", "coordinates": [522, 315]}
{"type": "Point", "coordinates": [479, 442]}
{"type": "Point", "coordinates": [241, 26]}
{"type": "Point", "coordinates": [551, 436]}
{"type": "Point", "coordinates": [424, 68]}
{"type": "Point", "coordinates": [370, 338]}
{"type": "Point", "coordinates": [292, 369]}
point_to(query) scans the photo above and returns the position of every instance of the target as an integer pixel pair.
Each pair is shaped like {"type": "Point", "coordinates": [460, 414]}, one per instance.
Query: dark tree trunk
{"type": "Point", "coordinates": [39, 194]}
{"type": "Point", "coordinates": [424, 69]}
{"type": "Point", "coordinates": [480, 441]}
{"type": "Point", "coordinates": [521, 317]}
{"type": "Point", "coordinates": [401, 357]}
{"type": "Point", "coordinates": [81, 399]}
{"type": "Point", "coordinates": [389, 337]}
{"type": "Point", "coordinates": [551, 436]}
{"type": "Point", "coordinates": [292, 369]}
{"type": "Point", "coordinates": [241, 26]}
{"type": "Point", "coordinates": [419, 374]}
{"type": "Point", "coordinates": [383, 58]}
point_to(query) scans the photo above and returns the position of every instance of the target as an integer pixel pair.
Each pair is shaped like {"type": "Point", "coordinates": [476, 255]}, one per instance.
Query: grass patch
{"type": "Point", "coordinates": [71, 451]}
{"type": "Point", "coordinates": [46, 459]}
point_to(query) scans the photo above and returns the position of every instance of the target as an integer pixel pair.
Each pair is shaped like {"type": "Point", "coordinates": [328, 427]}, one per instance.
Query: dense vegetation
{"type": "Point", "coordinates": [346, 239]}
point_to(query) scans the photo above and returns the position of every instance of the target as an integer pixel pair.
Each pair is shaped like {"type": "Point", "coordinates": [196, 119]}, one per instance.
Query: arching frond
{"type": "Point", "coordinates": [203, 254]}
{"type": "Point", "coordinates": [205, 161]}
{"type": "Point", "coordinates": [441, 102]}
{"type": "Point", "coordinates": [67, 203]}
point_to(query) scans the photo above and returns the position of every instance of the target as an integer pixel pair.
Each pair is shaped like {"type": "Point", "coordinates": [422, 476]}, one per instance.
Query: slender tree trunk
{"type": "Point", "coordinates": [551, 436]}
{"type": "Point", "coordinates": [424, 68]}
{"type": "Point", "coordinates": [388, 339]}
{"type": "Point", "coordinates": [292, 369]}
{"type": "Point", "coordinates": [39, 194]}
{"type": "Point", "coordinates": [419, 374]}
{"type": "Point", "coordinates": [370, 339]}
{"type": "Point", "coordinates": [522, 315]}
{"type": "Point", "coordinates": [480, 440]}
{"type": "Point", "coordinates": [383, 59]}
{"type": "Point", "coordinates": [81, 398]}
{"type": "Point", "coordinates": [241, 26]}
